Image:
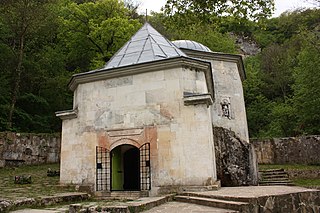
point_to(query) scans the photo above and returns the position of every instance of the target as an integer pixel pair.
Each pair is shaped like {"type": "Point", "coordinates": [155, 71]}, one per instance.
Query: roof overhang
{"type": "Point", "coordinates": [104, 74]}
{"type": "Point", "coordinates": [219, 57]}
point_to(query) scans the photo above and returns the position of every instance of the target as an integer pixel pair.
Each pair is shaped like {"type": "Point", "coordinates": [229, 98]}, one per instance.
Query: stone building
{"type": "Point", "coordinates": [144, 122]}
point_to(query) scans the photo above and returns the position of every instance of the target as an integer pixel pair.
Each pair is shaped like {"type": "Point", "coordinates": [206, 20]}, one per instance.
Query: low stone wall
{"type": "Point", "coordinates": [308, 174]}
{"type": "Point", "coordinates": [294, 202]}
{"type": "Point", "coordinates": [293, 150]}
{"type": "Point", "coordinates": [28, 149]}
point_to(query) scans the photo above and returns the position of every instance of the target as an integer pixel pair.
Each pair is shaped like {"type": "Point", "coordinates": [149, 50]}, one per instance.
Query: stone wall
{"type": "Point", "coordinates": [299, 150]}
{"type": "Point", "coordinates": [27, 149]}
{"type": "Point", "coordinates": [236, 160]}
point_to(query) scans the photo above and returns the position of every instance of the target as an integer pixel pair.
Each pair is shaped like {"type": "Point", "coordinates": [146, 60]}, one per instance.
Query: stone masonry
{"type": "Point", "coordinates": [27, 148]}
{"type": "Point", "coordinates": [293, 150]}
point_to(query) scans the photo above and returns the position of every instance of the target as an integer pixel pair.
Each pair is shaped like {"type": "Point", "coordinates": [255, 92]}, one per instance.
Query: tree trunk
{"type": "Point", "coordinates": [16, 86]}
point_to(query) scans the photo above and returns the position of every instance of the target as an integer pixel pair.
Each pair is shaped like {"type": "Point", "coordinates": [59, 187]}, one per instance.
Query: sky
{"type": "Point", "coordinates": [281, 5]}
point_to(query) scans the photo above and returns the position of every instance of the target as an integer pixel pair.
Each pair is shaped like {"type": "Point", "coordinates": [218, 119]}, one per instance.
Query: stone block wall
{"type": "Point", "coordinates": [293, 150]}
{"type": "Point", "coordinates": [28, 149]}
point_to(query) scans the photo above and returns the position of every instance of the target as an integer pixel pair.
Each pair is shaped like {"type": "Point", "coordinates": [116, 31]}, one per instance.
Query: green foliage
{"type": "Point", "coordinates": [307, 86]}
{"type": "Point", "coordinates": [208, 10]}
{"type": "Point", "coordinates": [43, 43]}
{"type": "Point", "coordinates": [209, 36]}
{"type": "Point", "coordinates": [92, 32]}
{"type": "Point", "coordinates": [282, 89]}
{"type": "Point", "coordinates": [63, 37]}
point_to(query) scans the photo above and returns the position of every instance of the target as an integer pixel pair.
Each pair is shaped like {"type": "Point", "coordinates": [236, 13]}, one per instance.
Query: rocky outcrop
{"type": "Point", "coordinates": [235, 159]}
{"type": "Point", "coordinates": [247, 46]}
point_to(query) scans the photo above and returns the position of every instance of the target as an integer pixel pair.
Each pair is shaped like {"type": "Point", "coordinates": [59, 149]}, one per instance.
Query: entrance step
{"type": "Point", "coordinates": [121, 195]}
{"type": "Point", "coordinates": [132, 195]}
{"type": "Point", "coordinates": [223, 204]}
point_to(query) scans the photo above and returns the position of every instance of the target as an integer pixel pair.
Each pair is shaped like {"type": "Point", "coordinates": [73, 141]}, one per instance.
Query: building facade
{"type": "Point", "coordinates": [144, 121]}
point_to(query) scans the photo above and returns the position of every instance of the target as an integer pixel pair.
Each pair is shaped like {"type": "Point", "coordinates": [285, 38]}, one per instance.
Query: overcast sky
{"type": "Point", "coordinates": [281, 5]}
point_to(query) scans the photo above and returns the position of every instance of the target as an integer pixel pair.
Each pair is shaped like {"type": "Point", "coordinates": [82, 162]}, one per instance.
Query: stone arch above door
{"type": "Point", "coordinates": [133, 136]}
{"type": "Point", "coordinates": [127, 141]}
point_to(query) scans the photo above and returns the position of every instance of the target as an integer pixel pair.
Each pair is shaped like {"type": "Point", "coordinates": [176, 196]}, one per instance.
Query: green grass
{"type": "Point", "coordinates": [289, 167]}
{"type": "Point", "coordinates": [41, 184]}
{"type": "Point", "coordinates": [307, 182]}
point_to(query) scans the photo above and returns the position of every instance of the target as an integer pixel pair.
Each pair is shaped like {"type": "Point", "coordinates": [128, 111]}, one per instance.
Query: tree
{"type": "Point", "coordinates": [94, 31]}
{"type": "Point", "coordinates": [307, 85]}
{"type": "Point", "coordinates": [207, 10]}
{"type": "Point", "coordinates": [22, 19]}
{"type": "Point", "coordinates": [209, 36]}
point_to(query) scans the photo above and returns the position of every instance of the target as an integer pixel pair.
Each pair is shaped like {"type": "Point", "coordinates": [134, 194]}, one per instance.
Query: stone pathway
{"type": "Point", "coordinates": [171, 207]}
{"type": "Point", "coordinates": [36, 211]}
{"type": "Point", "coordinates": [177, 207]}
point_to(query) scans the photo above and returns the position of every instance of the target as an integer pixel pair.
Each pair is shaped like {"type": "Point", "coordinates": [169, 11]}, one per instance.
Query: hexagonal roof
{"type": "Point", "coordinates": [145, 46]}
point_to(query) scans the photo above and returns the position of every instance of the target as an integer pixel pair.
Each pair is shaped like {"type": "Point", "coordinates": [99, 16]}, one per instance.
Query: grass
{"type": "Point", "coordinates": [307, 182]}
{"type": "Point", "coordinates": [41, 184]}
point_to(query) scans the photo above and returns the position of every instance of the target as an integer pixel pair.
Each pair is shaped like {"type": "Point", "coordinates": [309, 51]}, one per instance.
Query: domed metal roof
{"type": "Point", "coordinates": [192, 45]}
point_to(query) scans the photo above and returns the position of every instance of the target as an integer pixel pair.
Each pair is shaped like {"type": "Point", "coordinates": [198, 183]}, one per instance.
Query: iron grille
{"type": "Point", "coordinates": [145, 168]}
{"type": "Point", "coordinates": [103, 169]}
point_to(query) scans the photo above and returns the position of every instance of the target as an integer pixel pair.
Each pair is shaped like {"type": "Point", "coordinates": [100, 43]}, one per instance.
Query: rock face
{"type": "Point", "coordinates": [300, 150]}
{"type": "Point", "coordinates": [247, 46]}
{"type": "Point", "coordinates": [235, 159]}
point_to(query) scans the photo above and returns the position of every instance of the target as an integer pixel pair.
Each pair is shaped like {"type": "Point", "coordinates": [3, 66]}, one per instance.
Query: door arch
{"type": "Point", "coordinates": [125, 168]}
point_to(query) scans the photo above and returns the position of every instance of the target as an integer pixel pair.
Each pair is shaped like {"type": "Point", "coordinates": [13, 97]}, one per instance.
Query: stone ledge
{"type": "Point", "coordinates": [67, 114]}
{"type": "Point", "coordinates": [7, 205]}
{"type": "Point", "coordinates": [132, 206]}
{"type": "Point", "coordinates": [195, 99]}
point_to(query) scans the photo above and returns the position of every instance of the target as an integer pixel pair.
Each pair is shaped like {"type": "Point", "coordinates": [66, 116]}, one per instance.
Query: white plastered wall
{"type": "Point", "coordinates": [184, 133]}
{"type": "Point", "coordinates": [228, 86]}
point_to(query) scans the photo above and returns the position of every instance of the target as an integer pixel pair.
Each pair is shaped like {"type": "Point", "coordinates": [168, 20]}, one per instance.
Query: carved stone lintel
{"type": "Point", "coordinates": [125, 132]}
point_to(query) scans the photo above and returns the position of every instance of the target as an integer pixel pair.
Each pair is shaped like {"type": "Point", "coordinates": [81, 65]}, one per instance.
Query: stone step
{"type": "Point", "coordinates": [229, 198]}
{"type": "Point", "coordinates": [223, 204]}
{"type": "Point", "coordinates": [274, 174]}
{"type": "Point", "coordinates": [271, 170]}
{"type": "Point", "coordinates": [275, 179]}
{"type": "Point", "coordinates": [120, 195]}
{"type": "Point", "coordinates": [139, 205]}
{"type": "Point", "coordinates": [125, 194]}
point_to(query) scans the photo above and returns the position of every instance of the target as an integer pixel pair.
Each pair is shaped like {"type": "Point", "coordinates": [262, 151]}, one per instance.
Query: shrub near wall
{"type": "Point", "coordinates": [293, 150]}
{"type": "Point", "coordinates": [24, 148]}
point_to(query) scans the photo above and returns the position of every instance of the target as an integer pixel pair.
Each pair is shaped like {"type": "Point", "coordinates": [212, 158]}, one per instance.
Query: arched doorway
{"type": "Point", "coordinates": [125, 168]}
